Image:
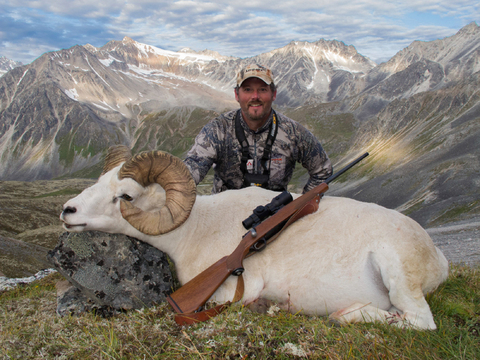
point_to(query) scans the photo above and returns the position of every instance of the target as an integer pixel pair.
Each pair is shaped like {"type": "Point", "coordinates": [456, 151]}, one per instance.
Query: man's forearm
{"type": "Point", "coordinates": [198, 168]}
{"type": "Point", "coordinates": [318, 176]}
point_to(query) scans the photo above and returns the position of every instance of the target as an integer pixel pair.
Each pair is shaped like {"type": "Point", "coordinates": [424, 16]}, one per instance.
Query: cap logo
{"type": "Point", "coordinates": [255, 70]}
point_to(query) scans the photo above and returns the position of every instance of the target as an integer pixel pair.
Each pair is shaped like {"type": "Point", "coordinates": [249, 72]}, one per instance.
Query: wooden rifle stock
{"type": "Point", "coordinates": [192, 296]}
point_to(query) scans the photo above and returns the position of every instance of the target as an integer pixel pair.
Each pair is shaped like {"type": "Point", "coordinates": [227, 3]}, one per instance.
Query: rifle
{"type": "Point", "coordinates": [188, 301]}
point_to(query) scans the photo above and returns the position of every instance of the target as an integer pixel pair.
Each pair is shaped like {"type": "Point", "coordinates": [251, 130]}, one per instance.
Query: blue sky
{"type": "Point", "coordinates": [377, 28]}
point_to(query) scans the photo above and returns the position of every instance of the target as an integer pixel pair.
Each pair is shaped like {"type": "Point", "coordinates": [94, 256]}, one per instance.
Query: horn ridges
{"type": "Point", "coordinates": [115, 156]}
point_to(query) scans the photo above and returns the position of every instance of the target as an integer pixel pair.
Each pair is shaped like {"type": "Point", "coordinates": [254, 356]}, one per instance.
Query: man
{"type": "Point", "coordinates": [256, 145]}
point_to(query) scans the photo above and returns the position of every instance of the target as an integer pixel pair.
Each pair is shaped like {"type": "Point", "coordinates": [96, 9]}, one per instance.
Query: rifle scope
{"type": "Point", "coordinates": [262, 212]}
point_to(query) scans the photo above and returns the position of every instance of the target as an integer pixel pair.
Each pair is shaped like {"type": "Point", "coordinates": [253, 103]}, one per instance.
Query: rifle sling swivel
{"type": "Point", "coordinates": [238, 271]}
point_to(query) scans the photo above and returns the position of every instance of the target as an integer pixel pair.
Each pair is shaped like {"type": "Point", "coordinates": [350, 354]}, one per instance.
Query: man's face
{"type": "Point", "coordinates": [255, 98]}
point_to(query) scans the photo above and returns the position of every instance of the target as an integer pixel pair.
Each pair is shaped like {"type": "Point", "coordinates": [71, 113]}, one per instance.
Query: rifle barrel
{"type": "Point", "coordinates": [353, 163]}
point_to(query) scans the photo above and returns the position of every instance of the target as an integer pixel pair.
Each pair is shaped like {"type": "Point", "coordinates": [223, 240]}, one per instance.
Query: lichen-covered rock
{"type": "Point", "coordinates": [111, 270]}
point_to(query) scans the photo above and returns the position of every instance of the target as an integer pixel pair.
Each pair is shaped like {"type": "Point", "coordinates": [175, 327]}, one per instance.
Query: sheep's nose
{"type": "Point", "coordinates": [69, 210]}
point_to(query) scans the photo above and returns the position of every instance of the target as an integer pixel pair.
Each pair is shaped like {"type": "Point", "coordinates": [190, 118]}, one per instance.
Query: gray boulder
{"type": "Point", "coordinates": [109, 271]}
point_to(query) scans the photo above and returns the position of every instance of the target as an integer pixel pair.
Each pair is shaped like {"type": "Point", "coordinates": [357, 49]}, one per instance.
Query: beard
{"type": "Point", "coordinates": [256, 114]}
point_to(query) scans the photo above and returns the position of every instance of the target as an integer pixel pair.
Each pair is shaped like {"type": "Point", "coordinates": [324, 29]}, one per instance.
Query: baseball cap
{"type": "Point", "coordinates": [257, 71]}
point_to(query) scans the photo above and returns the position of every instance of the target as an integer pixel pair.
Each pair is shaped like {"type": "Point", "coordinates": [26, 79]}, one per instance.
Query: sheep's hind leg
{"type": "Point", "coordinates": [406, 294]}
{"type": "Point", "coordinates": [415, 310]}
{"type": "Point", "coordinates": [408, 308]}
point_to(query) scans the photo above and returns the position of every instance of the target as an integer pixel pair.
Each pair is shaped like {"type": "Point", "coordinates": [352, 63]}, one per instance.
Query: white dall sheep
{"type": "Point", "coordinates": [354, 261]}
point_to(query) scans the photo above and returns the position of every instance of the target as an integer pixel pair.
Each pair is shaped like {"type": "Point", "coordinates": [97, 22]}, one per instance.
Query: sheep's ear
{"type": "Point", "coordinates": [115, 156]}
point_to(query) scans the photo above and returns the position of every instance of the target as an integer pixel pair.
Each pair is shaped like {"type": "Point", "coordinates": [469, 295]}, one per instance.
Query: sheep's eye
{"type": "Point", "coordinates": [126, 197]}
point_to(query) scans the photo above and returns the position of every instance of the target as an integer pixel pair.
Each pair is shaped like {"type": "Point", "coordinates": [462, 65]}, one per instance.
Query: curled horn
{"type": "Point", "coordinates": [116, 155]}
{"type": "Point", "coordinates": [174, 177]}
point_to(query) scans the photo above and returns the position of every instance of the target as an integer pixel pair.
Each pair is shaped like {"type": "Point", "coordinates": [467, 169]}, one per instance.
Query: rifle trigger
{"type": "Point", "coordinates": [259, 245]}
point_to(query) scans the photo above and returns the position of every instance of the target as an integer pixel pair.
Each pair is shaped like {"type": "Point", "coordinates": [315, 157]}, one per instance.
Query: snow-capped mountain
{"type": "Point", "coordinates": [315, 72]}
{"type": "Point", "coordinates": [7, 65]}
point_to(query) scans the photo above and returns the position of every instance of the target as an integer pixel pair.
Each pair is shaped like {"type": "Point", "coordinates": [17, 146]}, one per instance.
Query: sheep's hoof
{"type": "Point", "coordinates": [335, 322]}
{"type": "Point", "coordinates": [260, 306]}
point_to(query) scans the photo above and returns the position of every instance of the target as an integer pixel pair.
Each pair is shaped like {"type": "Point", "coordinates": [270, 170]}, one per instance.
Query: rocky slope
{"type": "Point", "coordinates": [424, 155]}
{"type": "Point", "coordinates": [29, 223]}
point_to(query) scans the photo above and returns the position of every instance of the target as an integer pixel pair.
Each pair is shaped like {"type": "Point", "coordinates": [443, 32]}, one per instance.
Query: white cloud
{"type": "Point", "coordinates": [377, 28]}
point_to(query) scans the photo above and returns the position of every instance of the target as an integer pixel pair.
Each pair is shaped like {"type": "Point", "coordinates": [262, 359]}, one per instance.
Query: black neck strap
{"type": "Point", "coordinates": [272, 134]}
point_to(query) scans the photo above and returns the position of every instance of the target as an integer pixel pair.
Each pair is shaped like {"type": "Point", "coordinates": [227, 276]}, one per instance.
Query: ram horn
{"type": "Point", "coordinates": [174, 177]}
{"type": "Point", "coordinates": [116, 155]}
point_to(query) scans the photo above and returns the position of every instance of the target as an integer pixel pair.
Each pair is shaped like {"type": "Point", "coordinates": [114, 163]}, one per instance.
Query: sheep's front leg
{"type": "Point", "coordinates": [362, 313]}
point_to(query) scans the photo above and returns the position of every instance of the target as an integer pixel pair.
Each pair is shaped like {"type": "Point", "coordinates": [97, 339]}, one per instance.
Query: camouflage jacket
{"type": "Point", "coordinates": [217, 145]}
